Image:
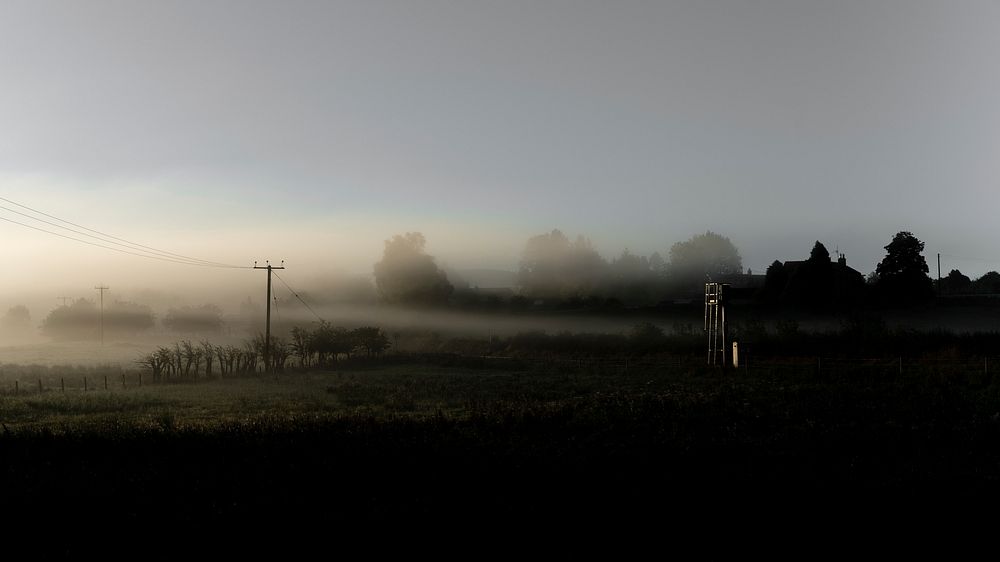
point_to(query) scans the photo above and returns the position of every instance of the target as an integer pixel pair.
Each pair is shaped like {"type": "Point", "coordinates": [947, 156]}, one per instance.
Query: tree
{"type": "Point", "coordinates": [902, 274]}
{"type": "Point", "coordinates": [775, 280]}
{"type": "Point", "coordinates": [819, 255]}
{"type": "Point", "coordinates": [956, 283]}
{"type": "Point", "coordinates": [407, 275]}
{"type": "Point", "coordinates": [17, 319]}
{"type": "Point", "coordinates": [553, 267]}
{"type": "Point", "coordinates": [988, 284]}
{"type": "Point", "coordinates": [371, 339]}
{"type": "Point", "coordinates": [703, 257]}
{"type": "Point", "coordinates": [206, 318]}
{"type": "Point", "coordinates": [78, 321]}
{"type": "Point", "coordinates": [127, 318]}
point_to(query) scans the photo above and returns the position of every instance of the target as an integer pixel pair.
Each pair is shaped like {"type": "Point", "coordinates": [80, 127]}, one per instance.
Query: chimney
{"type": "Point", "coordinates": [842, 260]}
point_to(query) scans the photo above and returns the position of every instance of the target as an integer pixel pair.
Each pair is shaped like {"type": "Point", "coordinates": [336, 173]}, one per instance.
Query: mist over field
{"type": "Point", "coordinates": [555, 265]}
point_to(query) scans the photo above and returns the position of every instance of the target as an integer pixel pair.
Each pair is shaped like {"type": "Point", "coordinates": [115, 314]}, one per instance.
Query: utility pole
{"type": "Point", "coordinates": [267, 333]}
{"type": "Point", "coordinates": [102, 288]}
{"type": "Point", "coordinates": [939, 274]}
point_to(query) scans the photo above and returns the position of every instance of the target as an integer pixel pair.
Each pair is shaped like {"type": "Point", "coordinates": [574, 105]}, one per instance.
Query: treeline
{"type": "Point", "coordinates": [323, 346]}
{"type": "Point", "coordinates": [82, 319]}
{"type": "Point", "coordinates": [554, 268]}
{"type": "Point", "coordinates": [558, 272]}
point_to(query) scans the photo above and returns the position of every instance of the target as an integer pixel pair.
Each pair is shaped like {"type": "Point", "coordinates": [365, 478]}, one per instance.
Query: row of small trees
{"type": "Point", "coordinates": [322, 346]}
{"type": "Point", "coordinates": [327, 343]}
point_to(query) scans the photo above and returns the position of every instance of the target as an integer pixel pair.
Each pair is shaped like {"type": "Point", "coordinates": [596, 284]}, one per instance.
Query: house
{"type": "Point", "coordinates": [815, 283]}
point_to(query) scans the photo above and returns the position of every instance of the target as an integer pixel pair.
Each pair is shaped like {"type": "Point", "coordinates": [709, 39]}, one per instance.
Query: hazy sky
{"type": "Point", "coordinates": [312, 131]}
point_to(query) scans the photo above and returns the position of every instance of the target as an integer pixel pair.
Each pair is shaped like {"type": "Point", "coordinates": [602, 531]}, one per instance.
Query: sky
{"type": "Point", "coordinates": [236, 131]}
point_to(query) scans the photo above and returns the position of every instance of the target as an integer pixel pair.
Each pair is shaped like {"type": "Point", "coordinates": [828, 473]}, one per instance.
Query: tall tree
{"type": "Point", "coordinates": [702, 257]}
{"type": "Point", "coordinates": [902, 274]}
{"type": "Point", "coordinates": [554, 267]}
{"type": "Point", "coordinates": [407, 275]}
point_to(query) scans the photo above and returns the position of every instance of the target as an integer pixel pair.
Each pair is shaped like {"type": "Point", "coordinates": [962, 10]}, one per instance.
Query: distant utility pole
{"type": "Point", "coordinates": [267, 333]}
{"type": "Point", "coordinates": [939, 275]}
{"type": "Point", "coordinates": [102, 288]}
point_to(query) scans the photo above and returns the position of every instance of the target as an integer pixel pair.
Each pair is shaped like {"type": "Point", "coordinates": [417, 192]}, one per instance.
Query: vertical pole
{"type": "Point", "coordinates": [105, 382]}
{"type": "Point", "coordinates": [723, 350]}
{"type": "Point", "coordinates": [62, 384]}
{"type": "Point", "coordinates": [102, 288]}
{"type": "Point", "coordinates": [267, 333]}
{"type": "Point", "coordinates": [39, 386]}
{"type": "Point", "coordinates": [85, 384]}
{"type": "Point", "coordinates": [939, 274]}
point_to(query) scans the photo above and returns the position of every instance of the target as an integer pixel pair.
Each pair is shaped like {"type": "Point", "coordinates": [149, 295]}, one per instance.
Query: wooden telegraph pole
{"type": "Point", "coordinates": [267, 332]}
{"type": "Point", "coordinates": [102, 288]}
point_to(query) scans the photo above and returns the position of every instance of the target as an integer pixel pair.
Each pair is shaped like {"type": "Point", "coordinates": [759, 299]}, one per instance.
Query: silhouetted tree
{"type": "Point", "coordinates": [703, 257]}
{"type": "Point", "coordinates": [775, 280]}
{"type": "Point", "coordinates": [988, 284]}
{"type": "Point", "coordinates": [553, 267]}
{"type": "Point", "coordinates": [302, 345]}
{"type": "Point", "coordinates": [955, 283]}
{"type": "Point", "coordinates": [819, 255]}
{"type": "Point", "coordinates": [371, 339]}
{"type": "Point", "coordinates": [407, 275]}
{"type": "Point", "coordinates": [902, 274]}
{"type": "Point", "coordinates": [817, 278]}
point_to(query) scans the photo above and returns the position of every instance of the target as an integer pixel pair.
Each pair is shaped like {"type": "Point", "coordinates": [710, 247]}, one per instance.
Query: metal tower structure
{"type": "Point", "coordinates": [715, 321]}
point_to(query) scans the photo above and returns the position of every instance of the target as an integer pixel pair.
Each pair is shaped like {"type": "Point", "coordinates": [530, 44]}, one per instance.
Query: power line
{"type": "Point", "coordinates": [129, 245]}
{"type": "Point", "coordinates": [107, 238]}
{"type": "Point", "coordinates": [984, 260]}
{"type": "Point", "coordinates": [118, 249]}
{"type": "Point", "coordinates": [291, 290]}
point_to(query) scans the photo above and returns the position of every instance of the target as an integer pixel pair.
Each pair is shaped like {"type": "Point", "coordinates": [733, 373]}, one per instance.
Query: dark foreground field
{"type": "Point", "coordinates": [456, 443]}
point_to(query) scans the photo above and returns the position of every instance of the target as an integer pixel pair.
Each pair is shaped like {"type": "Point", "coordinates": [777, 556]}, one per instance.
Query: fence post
{"type": "Point", "coordinates": [39, 385]}
{"type": "Point", "coordinates": [85, 384]}
{"type": "Point", "coordinates": [105, 382]}
{"type": "Point", "coordinates": [62, 383]}
{"type": "Point", "coordinates": [123, 381]}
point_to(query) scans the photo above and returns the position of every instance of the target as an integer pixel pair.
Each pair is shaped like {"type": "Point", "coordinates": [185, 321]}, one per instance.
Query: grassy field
{"type": "Point", "coordinates": [463, 441]}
